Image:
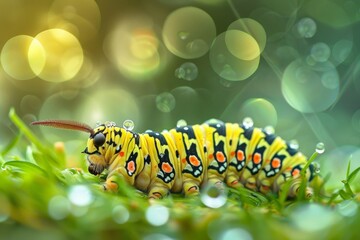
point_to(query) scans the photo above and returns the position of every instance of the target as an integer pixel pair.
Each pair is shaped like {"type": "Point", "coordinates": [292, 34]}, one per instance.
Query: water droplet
{"type": "Point", "coordinates": [110, 124]}
{"type": "Point", "coordinates": [320, 148]}
{"type": "Point", "coordinates": [316, 167]}
{"type": "Point", "coordinates": [157, 215]}
{"type": "Point", "coordinates": [306, 27]}
{"type": "Point", "coordinates": [214, 196]}
{"type": "Point", "coordinates": [181, 123]}
{"type": "Point", "coordinates": [183, 35]}
{"type": "Point", "coordinates": [128, 125]}
{"type": "Point", "coordinates": [248, 123]}
{"type": "Point", "coordinates": [214, 121]}
{"type": "Point", "coordinates": [294, 144]}
{"type": "Point", "coordinates": [165, 102]}
{"type": "Point", "coordinates": [120, 214]}
{"type": "Point", "coordinates": [98, 123]}
{"type": "Point", "coordinates": [187, 71]}
{"type": "Point", "coordinates": [269, 130]}
{"type": "Point", "coordinates": [80, 195]}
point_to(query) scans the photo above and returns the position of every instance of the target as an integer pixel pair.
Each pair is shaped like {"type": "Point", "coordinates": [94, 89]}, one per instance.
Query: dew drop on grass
{"type": "Point", "coordinates": [128, 125]}
{"type": "Point", "coordinates": [320, 148]}
{"type": "Point", "coordinates": [157, 215]}
{"type": "Point", "coordinates": [213, 196]}
{"type": "Point", "coordinates": [316, 167]}
{"type": "Point", "coordinates": [248, 123]}
{"type": "Point", "coordinates": [181, 123]}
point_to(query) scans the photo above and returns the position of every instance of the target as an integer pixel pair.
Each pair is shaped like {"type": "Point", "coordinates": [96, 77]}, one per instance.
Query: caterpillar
{"type": "Point", "coordinates": [185, 158]}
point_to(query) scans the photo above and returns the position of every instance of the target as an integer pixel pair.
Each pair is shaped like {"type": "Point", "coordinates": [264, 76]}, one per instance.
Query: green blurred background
{"type": "Point", "coordinates": [290, 64]}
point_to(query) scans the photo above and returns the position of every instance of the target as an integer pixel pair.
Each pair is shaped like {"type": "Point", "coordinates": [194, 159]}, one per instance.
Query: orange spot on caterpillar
{"type": "Point", "coordinates": [276, 163]}
{"type": "Point", "coordinates": [295, 172]}
{"type": "Point", "coordinates": [232, 154]}
{"type": "Point", "coordinates": [220, 157]}
{"type": "Point", "coordinates": [183, 160]}
{"type": "Point", "coordinates": [121, 154]}
{"type": "Point", "coordinates": [194, 160]}
{"type": "Point", "coordinates": [240, 155]}
{"type": "Point", "coordinates": [257, 158]}
{"type": "Point", "coordinates": [211, 156]}
{"type": "Point", "coordinates": [166, 167]}
{"type": "Point", "coordinates": [131, 167]}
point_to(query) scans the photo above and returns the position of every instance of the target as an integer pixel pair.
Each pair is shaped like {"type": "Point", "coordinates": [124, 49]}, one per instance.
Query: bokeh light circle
{"type": "Point", "coordinates": [165, 102]}
{"type": "Point", "coordinates": [306, 27]}
{"type": "Point", "coordinates": [188, 71]}
{"type": "Point", "coordinates": [64, 55]}
{"type": "Point", "coordinates": [110, 103]}
{"type": "Point", "coordinates": [253, 28]}
{"type": "Point", "coordinates": [320, 52]}
{"type": "Point", "coordinates": [242, 45]}
{"type": "Point", "coordinates": [310, 88]}
{"type": "Point", "coordinates": [15, 61]}
{"type": "Point", "coordinates": [81, 17]}
{"type": "Point", "coordinates": [261, 110]}
{"type": "Point", "coordinates": [134, 48]}
{"type": "Point", "coordinates": [335, 162]}
{"type": "Point", "coordinates": [226, 65]}
{"type": "Point", "coordinates": [188, 32]}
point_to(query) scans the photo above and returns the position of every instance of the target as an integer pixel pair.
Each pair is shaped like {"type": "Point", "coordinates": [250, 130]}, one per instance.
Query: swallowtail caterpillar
{"type": "Point", "coordinates": [185, 158]}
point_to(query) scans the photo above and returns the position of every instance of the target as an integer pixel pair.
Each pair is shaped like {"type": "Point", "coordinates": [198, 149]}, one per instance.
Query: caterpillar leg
{"type": "Point", "coordinates": [116, 176]}
{"type": "Point", "coordinates": [157, 191]}
{"type": "Point", "coordinates": [218, 183]}
{"type": "Point", "coordinates": [190, 188]}
{"type": "Point", "coordinates": [233, 181]}
{"type": "Point", "coordinates": [294, 190]}
{"type": "Point", "coordinates": [111, 183]}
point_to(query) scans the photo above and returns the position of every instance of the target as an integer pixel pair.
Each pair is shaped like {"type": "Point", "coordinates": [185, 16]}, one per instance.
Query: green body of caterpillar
{"type": "Point", "coordinates": [184, 158]}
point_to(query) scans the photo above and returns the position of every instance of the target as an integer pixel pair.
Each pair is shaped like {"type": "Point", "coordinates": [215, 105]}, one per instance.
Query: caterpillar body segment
{"type": "Point", "coordinates": [184, 158]}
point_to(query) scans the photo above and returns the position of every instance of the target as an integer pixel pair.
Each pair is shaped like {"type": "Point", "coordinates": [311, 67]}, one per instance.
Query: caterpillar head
{"type": "Point", "coordinates": [100, 147]}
